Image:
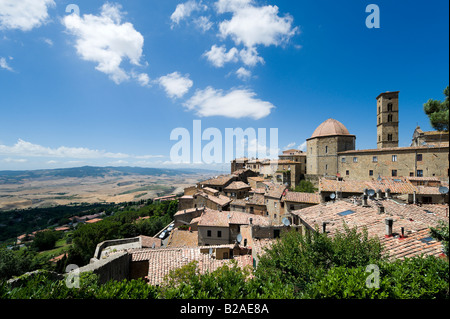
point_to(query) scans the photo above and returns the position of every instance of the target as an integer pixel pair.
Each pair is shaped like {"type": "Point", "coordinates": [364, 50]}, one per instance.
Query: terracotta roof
{"type": "Point", "coordinates": [92, 221]}
{"type": "Point", "coordinates": [330, 127]}
{"type": "Point", "coordinates": [162, 261]}
{"type": "Point", "coordinates": [298, 197]}
{"type": "Point", "coordinates": [147, 242]}
{"type": "Point", "coordinates": [214, 218]}
{"type": "Point", "coordinates": [413, 218]}
{"type": "Point", "coordinates": [219, 199]}
{"type": "Point", "coordinates": [275, 191]}
{"type": "Point", "coordinates": [183, 238]}
{"type": "Point", "coordinates": [188, 211]}
{"type": "Point", "coordinates": [414, 244]}
{"type": "Point", "coordinates": [256, 199]}
{"type": "Point", "coordinates": [237, 185]}
{"type": "Point", "coordinates": [397, 185]}
{"type": "Point", "coordinates": [218, 181]}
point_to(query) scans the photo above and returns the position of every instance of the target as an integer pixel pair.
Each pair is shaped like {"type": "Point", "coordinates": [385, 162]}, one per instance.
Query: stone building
{"type": "Point", "coordinates": [331, 150]}
{"type": "Point", "coordinates": [387, 120]}
{"type": "Point", "coordinates": [328, 140]}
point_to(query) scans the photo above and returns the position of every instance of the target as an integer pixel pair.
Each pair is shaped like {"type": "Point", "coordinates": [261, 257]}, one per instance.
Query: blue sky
{"type": "Point", "coordinates": [107, 87]}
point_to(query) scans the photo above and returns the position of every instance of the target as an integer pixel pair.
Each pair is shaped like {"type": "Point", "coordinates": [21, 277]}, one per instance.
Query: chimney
{"type": "Point", "coordinates": [324, 227]}
{"type": "Point", "coordinates": [380, 209]}
{"type": "Point", "coordinates": [389, 222]}
{"type": "Point", "coordinates": [250, 220]}
{"type": "Point", "coordinates": [379, 194]}
{"type": "Point", "coordinates": [365, 204]}
{"type": "Point", "coordinates": [403, 232]}
{"type": "Point", "coordinates": [388, 193]}
{"type": "Point", "coordinates": [414, 198]}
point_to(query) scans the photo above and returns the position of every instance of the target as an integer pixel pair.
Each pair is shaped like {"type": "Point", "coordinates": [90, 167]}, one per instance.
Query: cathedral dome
{"type": "Point", "coordinates": [330, 127]}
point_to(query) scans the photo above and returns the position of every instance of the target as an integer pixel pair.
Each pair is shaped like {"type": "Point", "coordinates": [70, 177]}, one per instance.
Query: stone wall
{"type": "Point", "coordinates": [435, 162]}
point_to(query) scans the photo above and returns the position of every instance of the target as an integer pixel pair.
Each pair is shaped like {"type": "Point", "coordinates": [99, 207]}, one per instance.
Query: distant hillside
{"type": "Point", "coordinates": [11, 177]}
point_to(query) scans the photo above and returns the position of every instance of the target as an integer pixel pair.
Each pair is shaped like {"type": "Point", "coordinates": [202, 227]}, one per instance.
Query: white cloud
{"type": "Point", "coordinates": [302, 147]}
{"type": "Point", "coordinates": [243, 73]}
{"type": "Point", "coordinates": [23, 148]}
{"type": "Point", "coordinates": [4, 64]}
{"type": "Point", "coordinates": [250, 57]}
{"type": "Point", "coordinates": [105, 40]}
{"type": "Point", "coordinates": [289, 146]}
{"type": "Point", "coordinates": [218, 56]}
{"type": "Point", "coordinates": [184, 10]}
{"type": "Point", "coordinates": [24, 14]}
{"type": "Point", "coordinates": [223, 6]}
{"type": "Point", "coordinates": [203, 23]}
{"type": "Point", "coordinates": [175, 85]}
{"type": "Point", "coordinates": [237, 103]}
{"type": "Point", "coordinates": [251, 25]}
{"type": "Point", "coordinates": [142, 78]}
{"type": "Point", "coordinates": [15, 160]}
{"type": "Point", "coordinates": [48, 41]}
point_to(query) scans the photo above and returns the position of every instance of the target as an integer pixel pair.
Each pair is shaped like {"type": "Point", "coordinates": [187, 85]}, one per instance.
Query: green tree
{"type": "Point", "coordinates": [441, 233]}
{"type": "Point", "coordinates": [305, 187]}
{"type": "Point", "coordinates": [45, 240]}
{"type": "Point", "coordinates": [438, 112]}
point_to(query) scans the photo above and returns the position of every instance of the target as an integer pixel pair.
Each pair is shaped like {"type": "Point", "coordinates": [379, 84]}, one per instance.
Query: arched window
{"type": "Point", "coordinates": [390, 118]}
{"type": "Point", "coordinates": [326, 149]}
{"type": "Point", "coordinates": [389, 107]}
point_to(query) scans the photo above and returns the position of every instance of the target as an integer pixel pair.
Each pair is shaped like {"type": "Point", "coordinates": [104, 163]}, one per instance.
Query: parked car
{"type": "Point", "coordinates": [169, 229]}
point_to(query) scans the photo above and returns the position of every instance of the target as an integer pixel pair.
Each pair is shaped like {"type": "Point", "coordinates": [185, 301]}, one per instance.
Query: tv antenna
{"type": "Point", "coordinates": [443, 190]}
{"type": "Point", "coordinates": [371, 192]}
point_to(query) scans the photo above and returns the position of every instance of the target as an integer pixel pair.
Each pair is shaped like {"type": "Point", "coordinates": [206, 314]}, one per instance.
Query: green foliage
{"type": "Point", "coordinates": [123, 224]}
{"type": "Point", "coordinates": [45, 240]}
{"type": "Point", "coordinates": [305, 187]}
{"type": "Point", "coordinates": [300, 259]}
{"type": "Point", "coordinates": [42, 286]}
{"type": "Point", "coordinates": [440, 233]}
{"type": "Point", "coordinates": [438, 112]}
{"type": "Point", "coordinates": [14, 263]}
{"type": "Point", "coordinates": [226, 282]}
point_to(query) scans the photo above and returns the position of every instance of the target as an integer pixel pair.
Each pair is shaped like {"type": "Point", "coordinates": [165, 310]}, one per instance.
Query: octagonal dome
{"type": "Point", "coordinates": [330, 127]}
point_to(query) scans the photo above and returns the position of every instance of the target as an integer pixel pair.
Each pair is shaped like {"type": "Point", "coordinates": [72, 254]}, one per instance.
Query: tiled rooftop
{"type": "Point", "coordinates": [397, 185]}
{"type": "Point", "coordinates": [162, 261]}
{"type": "Point", "coordinates": [414, 244]}
{"type": "Point", "coordinates": [236, 185]}
{"type": "Point", "coordinates": [412, 217]}
{"type": "Point", "coordinates": [224, 219]}
{"type": "Point", "coordinates": [182, 238]}
{"type": "Point", "coordinates": [298, 197]}
{"type": "Point", "coordinates": [218, 181]}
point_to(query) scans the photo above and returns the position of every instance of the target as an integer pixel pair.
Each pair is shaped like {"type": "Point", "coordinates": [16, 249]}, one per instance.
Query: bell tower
{"type": "Point", "coordinates": [387, 119]}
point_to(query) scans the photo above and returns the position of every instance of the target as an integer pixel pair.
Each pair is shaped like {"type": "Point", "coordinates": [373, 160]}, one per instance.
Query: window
{"type": "Point", "coordinates": [419, 173]}
{"type": "Point", "coordinates": [275, 204]}
{"type": "Point", "coordinates": [347, 172]}
{"type": "Point", "coordinates": [390, 107]}
{"type": "Point", "coordinates": [292, 207]}
{"type": "Point", "coordinates": [343, 160]}
{"type": "Point", "coordinates": [389, 137]}
{"type": "Point", "coordinates": [394, 172]}
{"type": "Point", "coordinates": [326, 167]}
{"type": "Point", "coordinates": [355, 160]}
{"type": "Point", "coordinates": [390, 118]}
{"type": "Point", "coordinates": [219, 233]}
{"type": "Point", "coordinates": [375, 159]}
{"type": "Point", "coordinates": [411, 174]}
{"type": "Point", "coordinates": [419, 157]}
{"type": "Point", "coordinates": [208, 233]}
{"type": "Point", "coordinates": [370, 173]}
{"type": "Point", "coordinates": [394, 158]}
